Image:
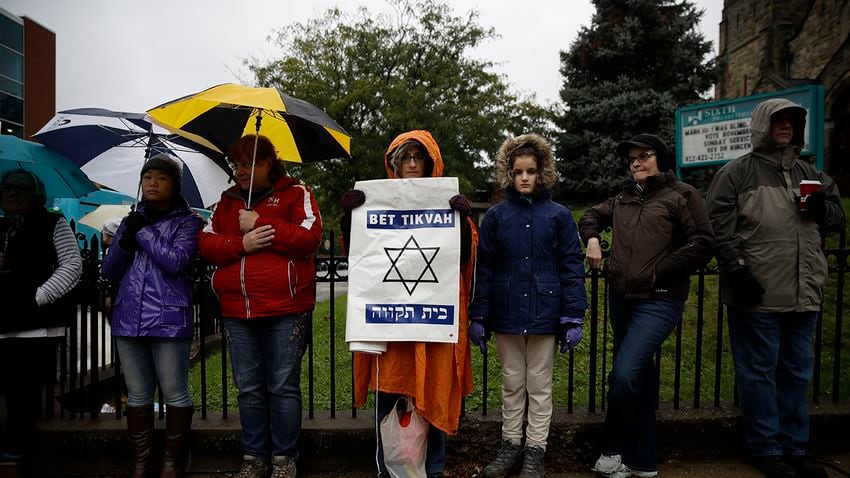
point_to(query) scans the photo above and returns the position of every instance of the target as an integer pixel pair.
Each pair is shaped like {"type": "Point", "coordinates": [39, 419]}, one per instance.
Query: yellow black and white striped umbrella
{"type": "Point", "coordinates": [218, 116]}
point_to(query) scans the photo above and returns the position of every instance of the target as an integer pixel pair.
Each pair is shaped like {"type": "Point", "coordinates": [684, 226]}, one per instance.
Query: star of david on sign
{"type": "Point", "coordinates": [411, 264]}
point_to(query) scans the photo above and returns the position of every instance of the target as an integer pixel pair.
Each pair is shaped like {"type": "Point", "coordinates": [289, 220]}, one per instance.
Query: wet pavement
{"type": "Point", "coordinates": [837, 466]}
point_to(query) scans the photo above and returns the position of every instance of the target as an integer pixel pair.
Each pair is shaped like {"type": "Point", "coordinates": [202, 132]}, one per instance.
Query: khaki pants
{"type": "Point", "coordinates": [527, 362]}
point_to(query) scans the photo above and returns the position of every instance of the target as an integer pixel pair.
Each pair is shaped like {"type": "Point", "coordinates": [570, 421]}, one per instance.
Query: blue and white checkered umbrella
{"type": "Point", "coordinates": [111, 147]}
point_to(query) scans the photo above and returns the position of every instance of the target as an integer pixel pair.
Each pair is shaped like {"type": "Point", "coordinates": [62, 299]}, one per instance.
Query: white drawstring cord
{"type": "Point", "coordinates": [377, 423]}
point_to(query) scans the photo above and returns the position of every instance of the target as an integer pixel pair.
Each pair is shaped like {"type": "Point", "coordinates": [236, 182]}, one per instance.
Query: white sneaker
{"type": "Point", "coordinates": [644, 474]}
{"type": "Point", "coordinates": [608, 464]}
{"type": "Point", "coordinates": [624, 471]}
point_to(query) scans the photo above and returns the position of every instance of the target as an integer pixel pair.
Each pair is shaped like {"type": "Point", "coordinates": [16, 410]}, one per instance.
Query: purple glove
{"type": "Point", "coordinates": [352, 199]}
{"type": "Point", "coordinates": [478, 335]}
{"type": "Point", "coordinates": [459, 203]}
{"type": "Point", "coordinates": [569, 333]}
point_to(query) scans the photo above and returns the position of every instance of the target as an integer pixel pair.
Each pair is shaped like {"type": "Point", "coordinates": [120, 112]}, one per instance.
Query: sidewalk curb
{"type": "Point", "coordinates": [84, 446]}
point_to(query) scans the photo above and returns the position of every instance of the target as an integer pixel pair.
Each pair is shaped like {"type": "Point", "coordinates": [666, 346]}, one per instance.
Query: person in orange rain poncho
{"type": "Point", "coordinates": [435, 375]}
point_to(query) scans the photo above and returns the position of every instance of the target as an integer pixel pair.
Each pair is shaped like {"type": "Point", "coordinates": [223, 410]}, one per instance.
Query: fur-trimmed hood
{"type": "Point", "coordinates": [547, 177]}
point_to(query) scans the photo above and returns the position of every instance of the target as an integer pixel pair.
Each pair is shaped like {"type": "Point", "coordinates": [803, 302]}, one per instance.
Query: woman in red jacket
{"type": "Point", "coordinates": [265, 283]}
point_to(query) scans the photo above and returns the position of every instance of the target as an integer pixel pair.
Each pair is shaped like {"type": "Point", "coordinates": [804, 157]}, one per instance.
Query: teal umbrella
{"type": "Point", "coordinates": [61, 177]}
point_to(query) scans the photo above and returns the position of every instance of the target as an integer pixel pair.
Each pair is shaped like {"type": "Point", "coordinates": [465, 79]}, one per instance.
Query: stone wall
{"type": "Point", "coordinates": [790, 39]}
{"type": "Point", "coordinates": [741, 69]}
{"type": "Point", "coordinates": [826, 28]}
{"type": "Point", "coordinates": [741, 48]}
{"type": "Point", "coordinates": [766, 45]}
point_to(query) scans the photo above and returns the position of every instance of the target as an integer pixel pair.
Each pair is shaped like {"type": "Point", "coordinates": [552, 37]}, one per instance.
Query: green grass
{"type": "Point", "coordinates": [688, 371]}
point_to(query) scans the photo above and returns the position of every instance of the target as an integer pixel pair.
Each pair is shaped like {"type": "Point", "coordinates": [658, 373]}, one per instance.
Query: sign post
{"type": "Point", "coordinates": [719, 131]}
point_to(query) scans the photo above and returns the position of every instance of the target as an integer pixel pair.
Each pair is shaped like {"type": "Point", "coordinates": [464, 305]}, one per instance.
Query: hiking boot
{"type": "Point", "coordinates": [532, 464]}
{"type": "Point", "coordinates": [283, 467]}
{"type": "Point", "coordinates": [805, 467]}
{"type": "Point", "coordinates": [773, 466]}
{"type": "Point", "coordinates": [607, 464]}
{"type": "Point", "coordinates": [507, 458]}
{"type": "Point", "coordinates": [253, 467]}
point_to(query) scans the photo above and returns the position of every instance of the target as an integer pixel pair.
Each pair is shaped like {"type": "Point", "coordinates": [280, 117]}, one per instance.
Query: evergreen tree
{"type": "Point", "coordinates": [626, 74]}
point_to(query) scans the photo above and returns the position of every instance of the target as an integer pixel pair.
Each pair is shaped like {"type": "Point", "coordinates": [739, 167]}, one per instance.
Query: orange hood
{"type": "Point", "coordinates": [427, 141]}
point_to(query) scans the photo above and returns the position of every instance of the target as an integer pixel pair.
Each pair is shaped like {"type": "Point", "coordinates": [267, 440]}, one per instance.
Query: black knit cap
{"type": "Point", "coordinates": [170, 165]}
{"type": "Point", "coordinates": [39, 193]}
{"type": "Point", "coordinates": [651, 141]}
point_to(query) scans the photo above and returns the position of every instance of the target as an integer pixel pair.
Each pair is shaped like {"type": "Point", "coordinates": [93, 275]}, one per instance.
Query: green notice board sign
{"type": "Point", "coordinates": [719, 131]}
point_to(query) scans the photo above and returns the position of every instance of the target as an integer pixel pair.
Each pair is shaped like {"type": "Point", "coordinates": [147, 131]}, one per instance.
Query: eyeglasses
{"type": "Point", "coordinates": [418, 159]}
{"type": "Point", "coordinates": [641, 158]}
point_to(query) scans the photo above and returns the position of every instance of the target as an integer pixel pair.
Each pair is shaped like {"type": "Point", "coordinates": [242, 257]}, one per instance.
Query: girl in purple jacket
{"type": "Point", "coordinates": [151, 255]}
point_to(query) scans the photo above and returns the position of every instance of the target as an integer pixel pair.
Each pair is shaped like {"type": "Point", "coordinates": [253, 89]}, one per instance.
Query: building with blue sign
{"type": "Point", "coordinates": [771, 45]}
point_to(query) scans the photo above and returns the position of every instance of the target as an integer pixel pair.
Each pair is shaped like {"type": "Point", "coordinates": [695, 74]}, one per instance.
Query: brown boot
{"type": "Point", "coordinates": [178, 423]}
{"type": "Point", "coordinates": [140, 431]}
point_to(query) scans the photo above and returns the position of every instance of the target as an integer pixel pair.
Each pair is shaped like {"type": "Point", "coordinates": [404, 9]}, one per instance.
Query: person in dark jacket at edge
{"type": "Point", "coordinates": [529, 291]}
{"type": "Point", "coordinates": [773, 273]}
{"type": "Point", "coordinates": [40, 264]}
{"type": "Point", "coordinates": [151, 256]}
{"type": "Point", "coordinates": [437, 376]}
{"type": "Point", "coordinates": [265, 280]}
{"type": "Point", "coordinates": [661, 234]}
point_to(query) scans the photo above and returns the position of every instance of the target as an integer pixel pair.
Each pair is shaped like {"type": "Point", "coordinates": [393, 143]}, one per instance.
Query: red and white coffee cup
{"type": "Point", "coordinates": [807, 187]}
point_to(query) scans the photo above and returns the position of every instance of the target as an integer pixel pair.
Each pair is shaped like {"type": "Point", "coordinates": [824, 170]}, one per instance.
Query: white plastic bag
{"type": "Point", "coordinates": [404, 437]}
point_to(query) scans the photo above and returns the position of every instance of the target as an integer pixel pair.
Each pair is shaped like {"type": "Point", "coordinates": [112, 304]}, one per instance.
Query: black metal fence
{"type": "Point", "coordinates": [90, 368]}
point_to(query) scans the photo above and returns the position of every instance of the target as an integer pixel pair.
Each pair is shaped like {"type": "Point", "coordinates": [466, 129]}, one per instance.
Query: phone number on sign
{"type": "Point", "coordinates": [697, 158]}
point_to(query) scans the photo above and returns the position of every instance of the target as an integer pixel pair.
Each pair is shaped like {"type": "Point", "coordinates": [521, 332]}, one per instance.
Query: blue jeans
{"type": "Point", "coordinates": [639, 328]}
{"type": "Point", "coordinates": [435, 454]}
{"type": "Point", "coordinates": [774, 356]}
{"type": "Point", "coordinates": [265, 355]}
{"type": "Point", "coordinates": [145, 360]}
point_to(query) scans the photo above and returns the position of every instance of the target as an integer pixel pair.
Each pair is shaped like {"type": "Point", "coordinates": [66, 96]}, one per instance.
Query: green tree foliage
{"type": "Point", "coordinates": [380, 75]}
{"type": "Point", "coordinates": [626, 74]}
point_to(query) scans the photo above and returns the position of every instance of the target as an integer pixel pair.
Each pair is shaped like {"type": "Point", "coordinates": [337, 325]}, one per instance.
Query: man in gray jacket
{"type": "Point", "coordinates": [773, 275]}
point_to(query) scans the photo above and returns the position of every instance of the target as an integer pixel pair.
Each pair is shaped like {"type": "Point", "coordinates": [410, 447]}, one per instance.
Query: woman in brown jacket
{"type": "Point", "coordinates": [661, 234]}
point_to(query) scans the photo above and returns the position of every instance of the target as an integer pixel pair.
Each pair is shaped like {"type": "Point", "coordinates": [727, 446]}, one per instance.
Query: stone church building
{"type": "Point", "coordinates": [767, 45]}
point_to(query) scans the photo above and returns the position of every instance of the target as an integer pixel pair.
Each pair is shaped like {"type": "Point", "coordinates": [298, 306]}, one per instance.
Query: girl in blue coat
{"type": "Point", "coordinates": [151, 254]}
{"type": "Point", "coordinates": [530, 292]}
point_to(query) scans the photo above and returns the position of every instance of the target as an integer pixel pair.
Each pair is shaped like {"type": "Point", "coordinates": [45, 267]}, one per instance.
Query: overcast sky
{"type": "Point", "coordinates": [132, 56]}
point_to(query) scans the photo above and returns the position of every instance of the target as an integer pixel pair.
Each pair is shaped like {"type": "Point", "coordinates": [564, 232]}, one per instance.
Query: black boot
{"type": "Point", "coordinates": [773, 466]}
{"type": "Point", "coordinates": [140, 431]}
{"type": "Point", "coordinates": [178, 423]}
{"type": "Point", "coordinates": [507, 458]}
{"type": "Point", "coordinates": [806, 467]}
{"type": "Point", "coordinates": [532, 465]}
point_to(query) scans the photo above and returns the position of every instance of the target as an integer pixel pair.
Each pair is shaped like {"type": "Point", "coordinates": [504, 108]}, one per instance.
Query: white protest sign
{"type": "Point", "coordinates": [404, 262]}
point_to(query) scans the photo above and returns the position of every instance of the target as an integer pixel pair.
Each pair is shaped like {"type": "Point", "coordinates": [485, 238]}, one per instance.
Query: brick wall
{"type": "Point", "coordinates": [39, 76]}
